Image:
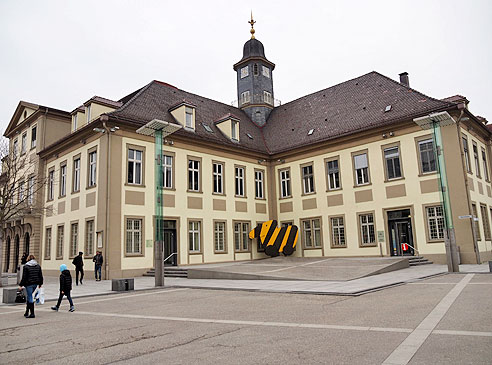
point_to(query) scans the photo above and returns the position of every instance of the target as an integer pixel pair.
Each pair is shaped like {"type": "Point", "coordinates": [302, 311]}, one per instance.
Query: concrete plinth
{"type": "Point", "coordinates": [9, 295]}
{"type": "Point", "coordinates": [122, 284]}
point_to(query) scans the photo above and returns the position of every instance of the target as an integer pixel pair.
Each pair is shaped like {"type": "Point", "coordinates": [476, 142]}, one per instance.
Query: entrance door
{"type": "Point", "coordinates": [27, 242]}
{"type": "Point", "coordinates": [401, 237]}
{"type": "Point", "coordinates": [170, 243]}
{"type": "Point", "coordinates": [7, 256]}
{"type": "Point", "coordinates": [17, 252]}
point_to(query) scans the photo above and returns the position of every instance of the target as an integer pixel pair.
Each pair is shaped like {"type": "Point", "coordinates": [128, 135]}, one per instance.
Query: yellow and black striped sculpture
{"type": "Point", "coordinates": [275, 239]}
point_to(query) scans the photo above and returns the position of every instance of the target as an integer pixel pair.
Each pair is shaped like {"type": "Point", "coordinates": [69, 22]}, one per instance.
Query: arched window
{"type": "Point", "coordinates": [25, 114]}
{"type": "Point", "coordinates": [255, 69]}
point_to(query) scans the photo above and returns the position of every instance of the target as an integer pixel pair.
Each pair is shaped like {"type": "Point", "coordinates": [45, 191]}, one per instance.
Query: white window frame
{"type": "Point", "coordinates": [333, 174]}
{"type": "Point", "coordinates": [47, 249]}
{"type": "Point", "coordinates": [63, 180]}
{"type": "Point", "coordinates": [218, 177]}
{"type": "Point", "coordinates": [308, 179]}
{"type": "Point", "coordinates": [188, 117]}
{"type": "Point", "coordinates": [241, 238]}
{"type": "Point", "coordinates": [267, 97]}
{"type": "Point", "coordinates": [435, 219]}
{"type": "Point", "coordinates": [309, 231]}
{"type": "Point", "coordinates": [74, 122]}
{"type": "Point", "coordinates": [338, 232]}
{"type": "Point", "coordinates": [92, 168]}
{"type": "Point", "coordinates": [135, 164]}
{"type": "Point", "coordinates": [365, 229]}
{"type": "Point", "coordinates": [76, 174]}
{"type": "Point", "coordinates": [34, 131]}
{"type": "Point", "coordinates": [265, 71]}
{"type": "Point", "coordinates": [89, 237]}
{"type": "Point", "coordinates": [88, 113]}
{"type": "Point", "coordinates": [485, 167]}
{"type": "Point", "coordinates": [477, 159]}
{"type": "Point", "coordinates": [390, 158]}
{"type": "Point", "coordinates": [167, 171]}
{"type": "Point", "coordinates": [234, 130]}
{"type": "Point", "coordinates": [24, 143]}
{"type": "Point", "coordinates": [60, 237]}
{"type": "Point", "coordinates": [74, 235]}
{"type": "Point", "coordinates": [51, 184]}
{"type": "Point", "coordinates": [361, 169]}
{"type": "Point", "coordinates": [259, 184]}
{"type": "Point", "coordinates": [430, 154]}
{"type": "Point", "coordinates": [466, 152]}
{"type": "Point", "coordinates": [220, 236]}
{"type": "Point", "coordinates": [30, 190]}
{"type": "Point", "coordinates": [14, 148]}
{"type": "Point", "coordinates": [133, 241]}
{"type": "Point", "coordinates": [245, 97]}
{"type": "Point", "coordinates": [239, 178]}
{"type": "Point", "coordinates": [244, 72]}
{"type": "Point", "coordinates": [285, 188]}
{"type": "Point", "coordinates": [194, 233]}
{"type": "Point", "coordinates": [193, 175]}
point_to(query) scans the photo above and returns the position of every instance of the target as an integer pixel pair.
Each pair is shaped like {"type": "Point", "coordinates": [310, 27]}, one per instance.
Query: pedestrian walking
{"type": "Point", "coordinates": [65, 288]}
{"type": "Point", "coordinates": [98, 262]}
{"type": "Point", "coordinates": [32, 276]}
{"type": "Point", "coordinates": [79, 268]}
{"type": "Point", "coordinates": [24, 258]}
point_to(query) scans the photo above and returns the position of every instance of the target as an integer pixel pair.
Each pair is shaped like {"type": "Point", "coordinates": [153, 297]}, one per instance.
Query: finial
{"type": "Point", "coordinates": [252, 22]}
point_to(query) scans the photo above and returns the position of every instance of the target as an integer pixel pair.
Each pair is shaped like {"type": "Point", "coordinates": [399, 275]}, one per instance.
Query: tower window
{"type": "Point", "coordinates": [258, 117]}
{"type": "Point", "coordinates": [244, 72]}
{"type": "Point", "coordinates": [267, 97]}
{"type": "Point", "coordinates": [265, 71]}
{"type": "Point", "coordinates": [245, 97]}
{"type": "Point", "coordinates": [255, 69]}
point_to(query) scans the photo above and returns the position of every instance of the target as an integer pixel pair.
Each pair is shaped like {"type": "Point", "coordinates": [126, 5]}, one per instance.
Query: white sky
{"type": "Point", "coordinates": [61, 53]}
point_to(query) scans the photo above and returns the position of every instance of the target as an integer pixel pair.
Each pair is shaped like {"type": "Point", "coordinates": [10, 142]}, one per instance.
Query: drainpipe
{"type": "Point", "coordinates": [104, 119]}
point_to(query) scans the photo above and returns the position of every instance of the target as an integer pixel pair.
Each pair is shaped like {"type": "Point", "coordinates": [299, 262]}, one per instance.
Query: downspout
{"type": "Point", "coordinates": [108, 180]}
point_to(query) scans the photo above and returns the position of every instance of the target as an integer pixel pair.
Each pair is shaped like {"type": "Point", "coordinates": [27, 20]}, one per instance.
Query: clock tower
{"type": "Point", "coordinates": [254, 80]}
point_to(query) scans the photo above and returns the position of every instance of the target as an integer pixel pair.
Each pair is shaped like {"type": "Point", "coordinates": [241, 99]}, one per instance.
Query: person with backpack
{"type": "Point", "coordinates": [65, 288]}
{"type": "Point", "coordinates": [79, 268]}
{"type": "Point", "coordinates": [32, 276]}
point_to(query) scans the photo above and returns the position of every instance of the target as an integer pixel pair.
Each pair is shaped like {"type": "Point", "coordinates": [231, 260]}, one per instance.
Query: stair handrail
{"type": "Point", "coordinates": [414, 249]}
{"type": "Point", "coordinates": [171, 255]}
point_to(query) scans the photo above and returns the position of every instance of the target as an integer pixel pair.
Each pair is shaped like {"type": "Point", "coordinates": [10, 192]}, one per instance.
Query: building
{"type": "Point", "coordinates": [348, 164]}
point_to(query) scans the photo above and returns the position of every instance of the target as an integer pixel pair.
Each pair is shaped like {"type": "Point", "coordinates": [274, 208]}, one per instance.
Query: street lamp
{"type": "Point", "coordinates": [435, 121]}
{"type": "Point", "coordinates": [159, 129]}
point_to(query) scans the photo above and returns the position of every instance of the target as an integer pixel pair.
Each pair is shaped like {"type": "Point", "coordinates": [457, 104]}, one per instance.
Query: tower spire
{"type": "Point", "coordinates": [252, 22]}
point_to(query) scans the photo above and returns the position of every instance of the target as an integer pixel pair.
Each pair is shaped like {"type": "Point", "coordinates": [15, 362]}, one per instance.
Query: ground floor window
{"type": "Point", "coordinates": [485, 222]}
{"type": "Point", "coordinates": [435, 222]}
{"type": "Point", "coordinates": [133, 236]}
{"type": "Point", "coordinates": [476, 224]}
{"type": "Point", "coordinates": [89, 238]}
{"type": "Point", "coordinates": [47, 249]}
{"type": "Point", "coordinates": [367, 231]}
{"type": "Point", "coordinates": [194, 235]}
{"type": "Point", "coordinates": [337, 232]}
{"type": "Point", "coordinates": [311, 230]}
{"type": "Point", "coordinates": [73, 239]}
{"type": "Point", "coordinates": [241, 239]}
{"type": "Point", "coordinates": [59, 242]}
{"type": "Point", "coordinates": [220, 236]}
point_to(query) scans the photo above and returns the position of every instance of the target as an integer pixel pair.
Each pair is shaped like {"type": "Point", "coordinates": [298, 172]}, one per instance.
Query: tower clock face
{"type": "Point", "coordinates": [244, 72]}
{"type": "Point", "coordinates": [266, 71]}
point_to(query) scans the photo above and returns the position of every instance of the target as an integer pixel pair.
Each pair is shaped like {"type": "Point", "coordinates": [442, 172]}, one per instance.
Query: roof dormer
{"type": "Point", "coordinates": [185, 114]}
{"type": "Point", "coordinates": [96, 106]}
{"type": "Point", "coordinates": [78, 118]}
{"type": "Point", "coordinates": [229, 126]}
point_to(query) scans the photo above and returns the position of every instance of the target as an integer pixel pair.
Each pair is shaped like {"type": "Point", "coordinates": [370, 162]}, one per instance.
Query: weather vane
{"type": "Point", "coordinates": [252, 22]}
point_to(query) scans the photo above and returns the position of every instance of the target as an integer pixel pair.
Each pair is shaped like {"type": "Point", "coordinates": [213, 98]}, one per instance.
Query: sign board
{"type": "Point", "coordinates": [465, 216]}
{"type": "Point", "coordinates": [380, 236]}
{"type": "Point", "coordinates": [476, 219]}
{"type": "Point", "coordinates": [404, 247]}
{"type": "Point", "coordinates": [148, 243]}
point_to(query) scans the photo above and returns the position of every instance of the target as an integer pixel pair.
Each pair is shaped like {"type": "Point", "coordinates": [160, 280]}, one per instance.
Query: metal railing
{"type": "Point", "coordinates": [171, 255]}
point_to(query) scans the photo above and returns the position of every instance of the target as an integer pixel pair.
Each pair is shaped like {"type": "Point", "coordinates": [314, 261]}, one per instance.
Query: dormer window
{"type": "Point", "coordinates": [245, 97]}
{"type": "Point", "coordinates": [244, 72]}
{"type": "Point", "coordinates": [255, 69]}
{"type": "Point", "coordinates": [234, 130]}
{"type": "Point", "coordinates": [88, 113]}
{"type": "Point", "coordinates": [189, 117]}
{"type": "Point", "coordinates": [267, 97]}
{"type": "Point", "coordinates": [74, 122]}
{"type": "Point", "coordinates": [265, 71]}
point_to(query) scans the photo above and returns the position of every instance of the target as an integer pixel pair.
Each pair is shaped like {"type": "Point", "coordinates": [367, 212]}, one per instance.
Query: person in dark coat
{"type": "Point", "coordinates": [24, 258]}
{"type": "Point", "coordinates": [79, 268]}
{"type": "Point", "coordinates": [98, 262]}
{"type": "Point", "coordinates": [65, 288]}
{"type": "Point", "coordinates": [32, 276]}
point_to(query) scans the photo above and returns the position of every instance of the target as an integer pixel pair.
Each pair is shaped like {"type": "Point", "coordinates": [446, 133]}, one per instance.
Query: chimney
{"type": "Point", "coordinates": [404, 79]}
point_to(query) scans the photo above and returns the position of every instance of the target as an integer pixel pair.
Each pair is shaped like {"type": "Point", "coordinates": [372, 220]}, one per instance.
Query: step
{"type": "Point", "coordinates": [173, 272]}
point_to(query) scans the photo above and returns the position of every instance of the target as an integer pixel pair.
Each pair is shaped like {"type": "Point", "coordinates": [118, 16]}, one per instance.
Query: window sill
{"type": "Point", "coordinates": [261, 199]}
{"type": "Point", "coordinates": [194, 191]}
{"type": "Point", "coordinates": [168, 189]}
{"type": "Point", "coordinates": [368, 245]}
{"type": "Point", "coordinates": [308, 194]}
{"type": "Point", "coordinates": [333, 190]}
{"type": "Point", "coordinates": [91, 187]}
{"type": "Point", "coordinates": [59, 258]}
{"type": "Point", "coordinates": [130, 255]}
{"type": "Point", "coordinates": [423, 174]}
{"type": "Point", "coordinates": [395, 179]}
{"type": "Point", "coordinates": [435, 241]}
{"type": "Point", "coordinates": [76, 191]}
{"type": "Point", "coordinates": [195, 253]}
{"type": "Point", "coordinates": [337, 247]}
{"type": "Point", "coordinates": [362, 185]}
{"type": "Point", "coordinates": [312, 248]}
{"type": "Point", "coordinates": [220, 252]}
{"type": "Point", "coordinates": [135, 185]}
{"type": "Point", "coordinates": [219, 194]}
{"type": "Point", "coordinates": [236, 252]}
{"type": "Point", "coordinates": [285, 197]}
{"type": "Point", "coordinates": [240, 196]}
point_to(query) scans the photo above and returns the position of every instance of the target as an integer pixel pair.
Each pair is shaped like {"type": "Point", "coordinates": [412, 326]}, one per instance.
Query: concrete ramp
{"type": "Point", "coordinates": [299, 268]}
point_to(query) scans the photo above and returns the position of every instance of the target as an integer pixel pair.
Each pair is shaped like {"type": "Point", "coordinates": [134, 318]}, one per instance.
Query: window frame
{"type": "Point", "coordinates": [476, 158]}
{"type": "Point", "coordinates": [30, 189]}
{"type": "Point", "coordinates": [386, 147]}
{"type": "Point", "coordinates": [47, 245]}
{"type": "Point", "coordinates": [312, 229]}
{"type": "Point", "coordinates": [74, 248]}
{"type": "Point", "coordinates": [360, 225]}
{"type": "Point", "coordinates": [141, 251]}
{"type": "Point", "coordinates": [34, 136]}
{"type": "Point", "coordinates": [244, 72]}
{"type": "Point", "coordinates": [91, 185]}
{"type": "Point", "coordinates": [245, 97]}
{"type": "Point", "coordinates": [267, 97]}
{"type": "Point", "coordinates": [242, 234]}
{"type": "Point", "coordinates": [436, 218]}
{"type": "Point", "coordinates": [172, 155]}
{"type": "Point", "coordinates": [360, 153]}
{"type": "Point", "coordinates": [261, 183]}
{"type": "Point", "coordinates": [265, 71]}
{"type": "Point", "coordinates": [88, 244]}
{"type": "Point", "coordinates": [200, 236]}
{"type": "Point", "coordinates": [304, 176]}
{"type": "Point", "coordinates": [59, 245]}
{"type": "Point", "coordinates": [466, 152]}
{"type": "Point", "coordinates": [485, 222]}
{"type": "Point", "coordinates": [23, 150]}
{"type": "Point", "coordinates": [21, 191]}
{"type": "Point", "coordinates": [327, 173]}
{"type": "Point", "coordinates": [50, 196]}
{"type": "Point", "coordinates": [62, 188]}
{"type": "Point", "coordinates": [240, 179]}
{"type": "Point", "coordinates": [220, 175]}
{"type": "Point", "coordinates": [225, 249]}
{"type": "Point", "coordinates": [332, 227]}
{"type": "Point", "coordinates": [485, 165]}
{"type": "Point", "coordinates": [288, 183]}
{"type": "Point", "coordinates": [476, 224]}
{"type": "Point", "coordinates": [189, 111]}
{"type": "Point", "coordinates": [418, 141]}
{"type": "Point", "coordinates": [76, 173]}
{"type": "Point", "coordinates": [142, 150]}
{"type": "Point", "coordinates": [199, 178]}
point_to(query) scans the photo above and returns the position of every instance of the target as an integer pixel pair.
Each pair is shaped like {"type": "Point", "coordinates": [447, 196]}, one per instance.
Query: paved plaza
{"type": "Point", "coordinates": [445, 319]}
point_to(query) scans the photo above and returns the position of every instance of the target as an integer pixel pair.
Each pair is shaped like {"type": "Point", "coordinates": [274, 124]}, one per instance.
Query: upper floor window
{"type": "Point", "coordinates": [134, 166]}
{"type": "Point", "coordinates": [485, 222]}
{"type": "Point", "coordinates": [485, 167]}
{"type": "Point", "coordinates": [92, 168]}
{"type": "Point", "coordinates": [333, 170]}
{"type": "Point", "coordinates": [265, 71]}
{"type": "Point", "coordinates": [63, 180]}
{"type": "Point", "coordinates": [245, 98]}
{"type": "Point", "coordinates": [244, 72]}
{"type": "Point", "coordinates": [74, 122]}
{"type": "Point", "coordinates": [88, 113]}
{"type": "Point", "coordinates": [51, 184]}
{"type": "Point", "coordinates": [361, 169]}
{"type": "Point", "coordinates": [189, 117]}
{"type": "Point", "coordinates": [476, 225]}
{"type": "Point", "coordinates": [477, 162]}
{"type": "Point", "coordinates": [267, 97]}
{"type": "Point", "coordinates": [239, 177]}
{"type": "Point", "coordinates": [14, 148]}
{"type": "Point", "coordinates": [255, 69]}
{"type": "Point", "coordinates": [427, 156]}
{"type": "Point", "coordinates": [76, 174]}
{"type": "Point", "coordinates": [285, 183]}
{"type": "Point", "coordinates": [167, 171]}
{"type": "Point", "coordinates": [24, 143]}
{"type": "Point", "coordinates": [218, 177]}
{"type": "Point", "coordinates": [21, 192]}
{"type": "Point", "coordinates": [392, 161]}
{"type": "Point", "coordinates": [33, 136]}
{"type": "Point", "coordinates": [193, 175]}
{"type": "Point", "coordinates": [367, 230]}
{"type": "Point", "coordinates": [30, 190]}
{"type": "Point", "coordinates": [307, 179]}
{"type": "Point", "coordinates": [234, 130]}
{"type": "Point", "coordinates": [259, 189]}
{"type": "Point", "coordinates": [466, 152]}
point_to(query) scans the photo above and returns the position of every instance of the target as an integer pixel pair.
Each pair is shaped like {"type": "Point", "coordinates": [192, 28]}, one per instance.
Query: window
{"type": "Point", "coordinates": [189, 117]}
{"type": "Point", "coordinates": [194, 235]}
{"type": "Point", "coordinates": [392, 160]}
{"type": "Point", "coordinates": [312, 233]}
{"type": "Point", "coordinates": [267, 97]}
{"type": "Point", "coordinates": [51, 184]}
{"type": "Point", "coordinates": [234, 130]}
{"type": "Point", "coordinates": [74, 122]}
{"type": "Point", "coordinates": [476, 225]}
{"type": "Point", "coordinates": [76, 174]}
{"type": "Point", "coordinates": [88, 113]}
{"type": "Point", "coordinates": [133, 236]}
{"type": "Point", "coordinates": [193, 175]}
{"type": "Point", "coordinates": [259, 191]}
{"type": "Point", "coordinates": [265, 71]}
{"type": "Point", "coordinates": [475, 156]}
{"type": "Point", "coordinates": [74, 228]}
{"type": "Point", "coordinates": [14, 148]}
{"type": "Point", "coordinates": [30, 190]}
{"type": "Point", "coordinates": [333, 171]}
{"type": "Point", "coordinates": [485, 222]}
{"type": "Point", "coordinates": [63, 180]}
{"type": "Point", "coordinates": [485, 167]}
{"type": "Point", "coordinates": [361, 169]}
{"type": "Point", "coordinates": [244, 72]}
{"type": "Point", "coordinates": [59, 243]}
{"type": "Point", "coordinates": [219, 236]}
{"type": "Point", "coordinates": [466, 153]}
{"type": "Point", "coordinates": [167, 171]}
{"type": "Point", "coordinates": [21, 192]}
{"type": "Point", "coordinates": [92, 168]}
{"type": "Point", "coordinates": [435, 222]}
{"type": "Point", "coordinates": [241, 239]}
{"type": "Point", "coordinates": [307, 179]}
{"type": "Point", "coordinates": [245, 98]}
{"type": "Point", "coordinates": [24, 143]}
{"type": "Point", "coordinates": [255, 69]}
{"type": "Point", "coordinates": [285, 183]}
{"type": "Point", "coordinates": [33, 136]}
{"type": "Point", "coordinates": [89, 238]}
{"type": "Point", "coordinates": [367, 232]}
{"type": "Point", "coordinates": [218, 177]}
{"type": "Point", "coordinates": [47, 250]}
{"type": "Point", "coordinates": [134, 166]}
{"type": "Point", "coordinates": [337, 232]}
{"type": "Point", "coordinates": [239, 178]}
{"type": "Point", "coordinates": [427, 156]}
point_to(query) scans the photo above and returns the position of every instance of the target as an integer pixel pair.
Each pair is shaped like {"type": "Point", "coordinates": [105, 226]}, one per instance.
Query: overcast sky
{"type": "Point", "coordinates": [61, 53]}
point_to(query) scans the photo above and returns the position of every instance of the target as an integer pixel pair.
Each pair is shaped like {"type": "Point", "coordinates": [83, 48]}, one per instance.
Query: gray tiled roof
{"type": "Point", "coordinates": [352, 106]}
